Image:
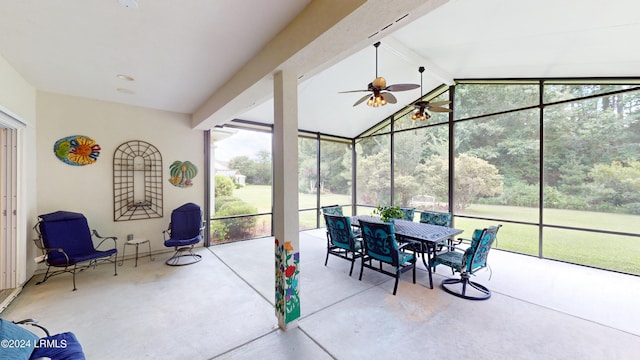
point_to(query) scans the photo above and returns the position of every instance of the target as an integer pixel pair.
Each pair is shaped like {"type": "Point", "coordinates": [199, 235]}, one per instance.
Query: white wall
{"type": "Point", "coordinates": [18, 99]}
{"type": "Point", "coordinates": [89, 189]}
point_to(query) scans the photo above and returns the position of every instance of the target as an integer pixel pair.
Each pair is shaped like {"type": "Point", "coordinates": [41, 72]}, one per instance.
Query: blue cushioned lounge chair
{"type": "Point", "coordinates": [184, 232]}
{"type": "Point", "coordinates": [63, 346]}
{"type": "Point", "coordinates": [66, 241]}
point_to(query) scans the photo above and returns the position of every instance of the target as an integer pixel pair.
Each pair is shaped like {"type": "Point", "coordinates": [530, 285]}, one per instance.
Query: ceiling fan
{"type": "Point", "coordinates": [421, 106]}
{"type": "Point", "coordinates": [379, 91]}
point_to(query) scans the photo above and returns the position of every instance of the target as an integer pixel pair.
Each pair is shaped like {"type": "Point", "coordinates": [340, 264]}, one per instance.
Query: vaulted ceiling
{"type": "Point", "coordinates": [215, 59]}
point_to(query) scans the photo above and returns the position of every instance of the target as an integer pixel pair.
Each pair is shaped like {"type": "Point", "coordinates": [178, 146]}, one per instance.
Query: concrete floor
{"type": "Point", "coordinates": [222, 308]}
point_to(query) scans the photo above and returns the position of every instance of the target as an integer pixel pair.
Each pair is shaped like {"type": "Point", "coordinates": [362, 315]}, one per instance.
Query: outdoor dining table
{"type": "Point", "coordinates": [427, 236]}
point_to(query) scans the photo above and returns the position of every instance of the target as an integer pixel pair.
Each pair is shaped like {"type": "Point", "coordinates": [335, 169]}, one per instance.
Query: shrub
{"type": "Point", "coordinates": [234, 228]}
{"type": "Point", "coordinates": [632, 208]}
{"type": "Point", "coordinates": [521, 194]}
{"type": "Point", "coordinates": [222, 200]}
{"type": "Point", "coordinates": [224, 186]}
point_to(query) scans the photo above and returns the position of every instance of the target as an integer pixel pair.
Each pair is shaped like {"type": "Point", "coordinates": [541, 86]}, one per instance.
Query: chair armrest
{"type": "Point", "coordinates": [32, 322]}
{"type": "Point", "coordinates": [407, 243]}
{"type": "Point", "coordinates": [46, 251]}
{"type": "Point", "coordinates": [454, 248]}
{"type": "Point", "coordinates": [463, 240]}
{"type": "Point", "coordinates": [105, 238]}
{"type": "Point", "coordinates": [167, 232]}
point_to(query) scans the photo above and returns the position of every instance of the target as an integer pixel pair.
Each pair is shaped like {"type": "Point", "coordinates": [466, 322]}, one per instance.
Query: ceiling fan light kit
{"type": "Point", "coordinates": [376, 101]}
{"type": "Point", "coordinates": [421, 106]}
{"type": "Point", "coordinates": [422, 116]}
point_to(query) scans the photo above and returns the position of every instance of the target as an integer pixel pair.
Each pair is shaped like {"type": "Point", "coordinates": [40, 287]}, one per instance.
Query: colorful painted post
{"type": "Point", "coordinates": [287, 272]}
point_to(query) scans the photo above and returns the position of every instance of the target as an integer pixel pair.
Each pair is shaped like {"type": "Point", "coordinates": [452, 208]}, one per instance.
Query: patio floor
{"type": "Point", "coordinates": [222, 308]}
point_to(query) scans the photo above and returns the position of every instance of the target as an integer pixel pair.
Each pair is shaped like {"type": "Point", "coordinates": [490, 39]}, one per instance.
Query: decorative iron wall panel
{"type": "Point", "coordinates": [137, 181]}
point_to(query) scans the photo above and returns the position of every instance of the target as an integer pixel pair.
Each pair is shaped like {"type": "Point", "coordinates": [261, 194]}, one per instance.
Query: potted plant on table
{"type": "Point", "coordinates": [388, 212]}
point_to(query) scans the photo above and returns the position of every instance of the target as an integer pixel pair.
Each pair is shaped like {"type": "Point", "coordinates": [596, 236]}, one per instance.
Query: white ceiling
{"type": "Point", "coordinates": [187, 56]}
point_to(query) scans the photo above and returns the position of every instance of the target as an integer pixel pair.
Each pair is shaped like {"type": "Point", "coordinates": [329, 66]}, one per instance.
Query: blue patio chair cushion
{"type": "Point", "coordinates": [380, 241]}
{"type": "Point", "coordinates": [380, 244]}
{"type": "Point", "coordinates": [186, 224]}
{"type": "Point", "coordinates": [476, 255]}
{"type": "Point", "coordinates": [64, 346]}
{"type": "Point", "coordinates": [408, 213]}
{"type": "Point", "coordinates": [341, 234]}
{"type": "Point", "coordinates": [436, 218]}
{"type": "Point", "coordinates": [452, 259]}
{"type": "Point", "coordinates": [332, 210]}
{"type": "Point", "coordinates": [404, 257]}
{"type": "Point", "coordinates": [356, 245]}
{"type": "Point", "coordinates": [70, 232]}
{"type": "Point", "coordinates": [22, 341]}
{"type": "Point", "coordinates": [467, 261]}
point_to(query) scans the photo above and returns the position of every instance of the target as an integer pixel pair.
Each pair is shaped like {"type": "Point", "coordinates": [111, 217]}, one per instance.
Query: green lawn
{"type": "Point", "coordinates": [256, 195]}
{"type": "Point", "coordinates": [614, 252]}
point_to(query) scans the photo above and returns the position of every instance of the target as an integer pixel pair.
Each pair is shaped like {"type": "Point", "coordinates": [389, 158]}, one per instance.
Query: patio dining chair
{"type": "Point", "coordinates": [437, 218]}
{"type": "Point", "coordinates": [467, 262]}
{"type": "Point", "coordinates": [408, 213]}
{"type": "Point", "coordinates": [341, 240]}
{"type": "Point", "coordinates": [380, 245]}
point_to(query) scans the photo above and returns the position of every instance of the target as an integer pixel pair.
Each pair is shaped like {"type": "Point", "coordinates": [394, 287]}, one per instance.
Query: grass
{"type": "Point", "coordinates": [613, 252]}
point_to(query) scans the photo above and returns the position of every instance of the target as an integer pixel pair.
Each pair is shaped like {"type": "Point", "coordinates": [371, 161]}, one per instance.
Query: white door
{"type": "Point", "coordinates": [8, 211]}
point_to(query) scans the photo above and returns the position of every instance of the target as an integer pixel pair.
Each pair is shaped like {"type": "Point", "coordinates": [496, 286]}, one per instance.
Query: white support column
{"type": "Point", "coordinates": [285, 199]}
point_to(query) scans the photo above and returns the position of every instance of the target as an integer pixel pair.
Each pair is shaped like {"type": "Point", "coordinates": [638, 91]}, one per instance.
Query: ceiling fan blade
{"type": "Point", "coordinates": [352, 91]}
{"type": "Point", "coordinates": [389, 97]}
{"type": "Point", "coordinates": [362, 99]}
{"type": "Point", "coordinates": [439, 103]}
{"type": "Point", "coordinates": [401, 87]}
{"type": "Point", "coordinates": [438, 109]}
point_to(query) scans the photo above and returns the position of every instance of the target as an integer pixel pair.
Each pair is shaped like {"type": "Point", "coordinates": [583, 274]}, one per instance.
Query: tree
{"type": "Point", "coordinates": [245, 166]}
{"type": "Point", "coordinates": [617, 184]}
{"type": "Point", "coordinates": [374, 178]}
{"type": "Point", "coordinates": [307, 165]}
{"type": "Point", "coordinates": [433, 178]}
{"type": "Point", "coordinates": [475, 178]}
{"type": "Point", "coordinates": [404, 189]}
{"type": "Point", "coordinates": [258, 172]}
{"type": "Point", "coordinates": [335, 167]}
{"type": "Point", "coordinates": [263, 171]}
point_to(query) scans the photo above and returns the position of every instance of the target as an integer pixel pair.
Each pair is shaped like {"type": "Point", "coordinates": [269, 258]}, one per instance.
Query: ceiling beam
{"type": "Point", "coordinates": [324, 32]}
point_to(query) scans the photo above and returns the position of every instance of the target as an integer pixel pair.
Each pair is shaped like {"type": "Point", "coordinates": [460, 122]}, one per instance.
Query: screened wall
{"type": "Point", "coordinates": [556, 162]}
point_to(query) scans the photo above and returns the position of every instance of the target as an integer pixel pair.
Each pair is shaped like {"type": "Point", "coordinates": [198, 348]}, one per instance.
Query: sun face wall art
{"type": "Point", "coordinates": [77, 150]}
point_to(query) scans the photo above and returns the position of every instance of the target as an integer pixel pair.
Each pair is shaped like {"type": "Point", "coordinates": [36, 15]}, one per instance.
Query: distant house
{"type": "Point", "coordinates": [235, 175]}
